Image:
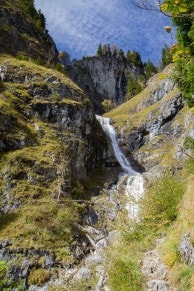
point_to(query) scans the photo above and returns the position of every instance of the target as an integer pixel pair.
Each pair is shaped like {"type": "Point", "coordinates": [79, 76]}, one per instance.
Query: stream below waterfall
{"type": "Point", "coordinates": [135, 187]}
{"type": "Point", "coordinates": [97, 226]}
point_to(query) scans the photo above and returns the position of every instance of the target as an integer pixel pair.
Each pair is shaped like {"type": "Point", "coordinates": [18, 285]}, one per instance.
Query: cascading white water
{"type": "Point", "coordinates": [110, 131]}
{"type": "Point", "coordinates": [134, 188]}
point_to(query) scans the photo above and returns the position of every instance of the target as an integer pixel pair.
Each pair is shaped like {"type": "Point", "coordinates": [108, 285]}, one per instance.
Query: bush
{"type": "Point", "coordinates": [184, 77]}
{"type": "Point", "coordinates": [21, 57]}
{"type": "Point", "coordinates": [38, 61]}
{"type": "Point", "coordinates": [86, 101]}
{"type": "Point", "coordinates": [3, 274]}
{"type": "Point", "coordinates": [58, 67]}
{"type": "Point", "coordinates": [38, 277]}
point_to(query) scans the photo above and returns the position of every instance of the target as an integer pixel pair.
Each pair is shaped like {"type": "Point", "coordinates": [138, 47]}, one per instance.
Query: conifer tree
{"type": "Point", "coordinates": [166, 56]}
{"type": "Point", "coordinates": [99, 50]}
{"type": "Point", "coordinates": [150, 69]}
{"type": "Point", "coordinates": [121, 54]}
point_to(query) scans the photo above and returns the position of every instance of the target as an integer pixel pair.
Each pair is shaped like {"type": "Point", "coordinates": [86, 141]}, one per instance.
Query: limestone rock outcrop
{"type": "Point", "coordinates": [154, 124]}
{"type": "Point", "coordinates": [37, 102]}
{"type": "Point", "coordinates": [186, 249]}
{"type": "Point", "coordinates": [103, 77]}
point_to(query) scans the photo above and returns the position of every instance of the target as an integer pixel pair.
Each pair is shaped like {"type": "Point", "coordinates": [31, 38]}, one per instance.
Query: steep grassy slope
{"type": "Point", "coordinates": [155, 123]}
{"type": "Point", "coordinates": [49, 140]}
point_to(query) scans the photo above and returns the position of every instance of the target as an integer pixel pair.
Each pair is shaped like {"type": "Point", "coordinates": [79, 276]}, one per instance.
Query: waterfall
{"type": "Point", "coordinates": [110, 131]}
{"type": "Point", "coordinates": [134, 188]}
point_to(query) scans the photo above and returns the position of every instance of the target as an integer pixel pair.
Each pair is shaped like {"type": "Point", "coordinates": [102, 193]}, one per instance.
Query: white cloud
{"type": "Point", "coordinates": [78, 26]}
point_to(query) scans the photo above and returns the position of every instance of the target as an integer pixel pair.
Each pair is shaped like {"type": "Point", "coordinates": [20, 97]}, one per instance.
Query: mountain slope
{"type": "Point", "coordinates": [155, 121]}
{"type": "Point", "coordinates": [49, 140]}
{"type": "Point", "coordinates": [156, 128]}
{"type": "Point", "coordinates": [23, 33]}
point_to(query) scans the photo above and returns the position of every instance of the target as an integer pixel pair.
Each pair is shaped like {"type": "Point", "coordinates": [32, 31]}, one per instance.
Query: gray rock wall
{"type": "Point", "coordinates": [102, 78]}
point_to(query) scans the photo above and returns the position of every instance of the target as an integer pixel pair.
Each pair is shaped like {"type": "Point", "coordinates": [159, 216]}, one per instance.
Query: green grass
{"type": "Point", "coordinates": [158, 210]}
{"type": "Point", "coordinates": [160, 205]}
{"type": "Point", "coordinates": [43, 224]}
{"type": "Point", "coordinates": [181, 274]}
{"type": "Point", "coordinates": [3, 274]}
{"type": "Point", "coordinates": [24, 67]}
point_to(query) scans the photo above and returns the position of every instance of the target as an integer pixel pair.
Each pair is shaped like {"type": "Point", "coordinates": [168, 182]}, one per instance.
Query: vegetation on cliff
{"type": "Point", "coordinates": [25, 29]}
{"type": "Point", "coordinates": [182, 15]}
{"type": "Point", "coordinates": [50, 141]}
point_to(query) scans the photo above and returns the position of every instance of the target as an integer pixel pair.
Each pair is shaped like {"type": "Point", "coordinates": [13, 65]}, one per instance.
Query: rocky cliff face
{"type": "Point", "coordinates": [36, 101]}
{"type": "Point", "coordinates": [20, 35]}
{"type": "Point", "coordinates": [103, 77]}
{"type": "Point", "coordinates": [50, 142]}
{"type": "Point", "coordinates": [154, 124]}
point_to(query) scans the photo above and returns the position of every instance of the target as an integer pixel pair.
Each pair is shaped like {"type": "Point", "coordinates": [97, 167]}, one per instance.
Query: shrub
{"type": "Point", "coordinates": [107, 105]}
{"type": "Point", "coordinates": [21, 57]}
{"type": "Point", "coordinates": [86, 101]}
{"type": "Point", "coordinates": [38, 61]}
{"type": "Point", "coordinates": [38, 277]}
{"type": "Point", "coordinates": [3, 274]}
{"type": "Point", "coordinates": [60, 68]}
{"type": "Point", "coordinates": [184, 77]}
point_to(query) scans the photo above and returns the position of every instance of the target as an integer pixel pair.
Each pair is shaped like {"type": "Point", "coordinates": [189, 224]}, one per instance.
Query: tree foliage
{"type": "Point", "coordinates": [64, 58]}
{"type": "Point", "coordinates": [182, 14]}
{"type": "Point", "coordinates": [134, 58]}
{"type": "Point", "coordinates": [27, 6]}
{"type": "Point", "coordinates": [166, 56]}
{"type": "Point", "coordinates": [99, 50]}
{"type": "Point", "coordinates": [150, 69]}
{"type": "Point", "coordinates": [133, 87]}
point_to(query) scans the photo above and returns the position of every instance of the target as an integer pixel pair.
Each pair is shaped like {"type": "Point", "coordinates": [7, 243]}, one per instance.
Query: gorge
{"type": "Point", "coordinates": [90, 202]}
{"type": "Point", "coordinates": [134, 187]}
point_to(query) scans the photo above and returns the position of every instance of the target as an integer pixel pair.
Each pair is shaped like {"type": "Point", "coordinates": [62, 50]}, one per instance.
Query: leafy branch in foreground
{"type": "Point", "coordinates": [182, 14]}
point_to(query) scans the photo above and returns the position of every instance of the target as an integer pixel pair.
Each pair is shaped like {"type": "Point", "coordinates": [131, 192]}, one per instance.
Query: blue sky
{"type": "Point", "coordinates": [78, 26]}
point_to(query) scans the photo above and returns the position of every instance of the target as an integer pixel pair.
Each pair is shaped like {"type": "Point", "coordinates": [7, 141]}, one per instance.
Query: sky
{"type": "Point", "coordinates": [78, 26]}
